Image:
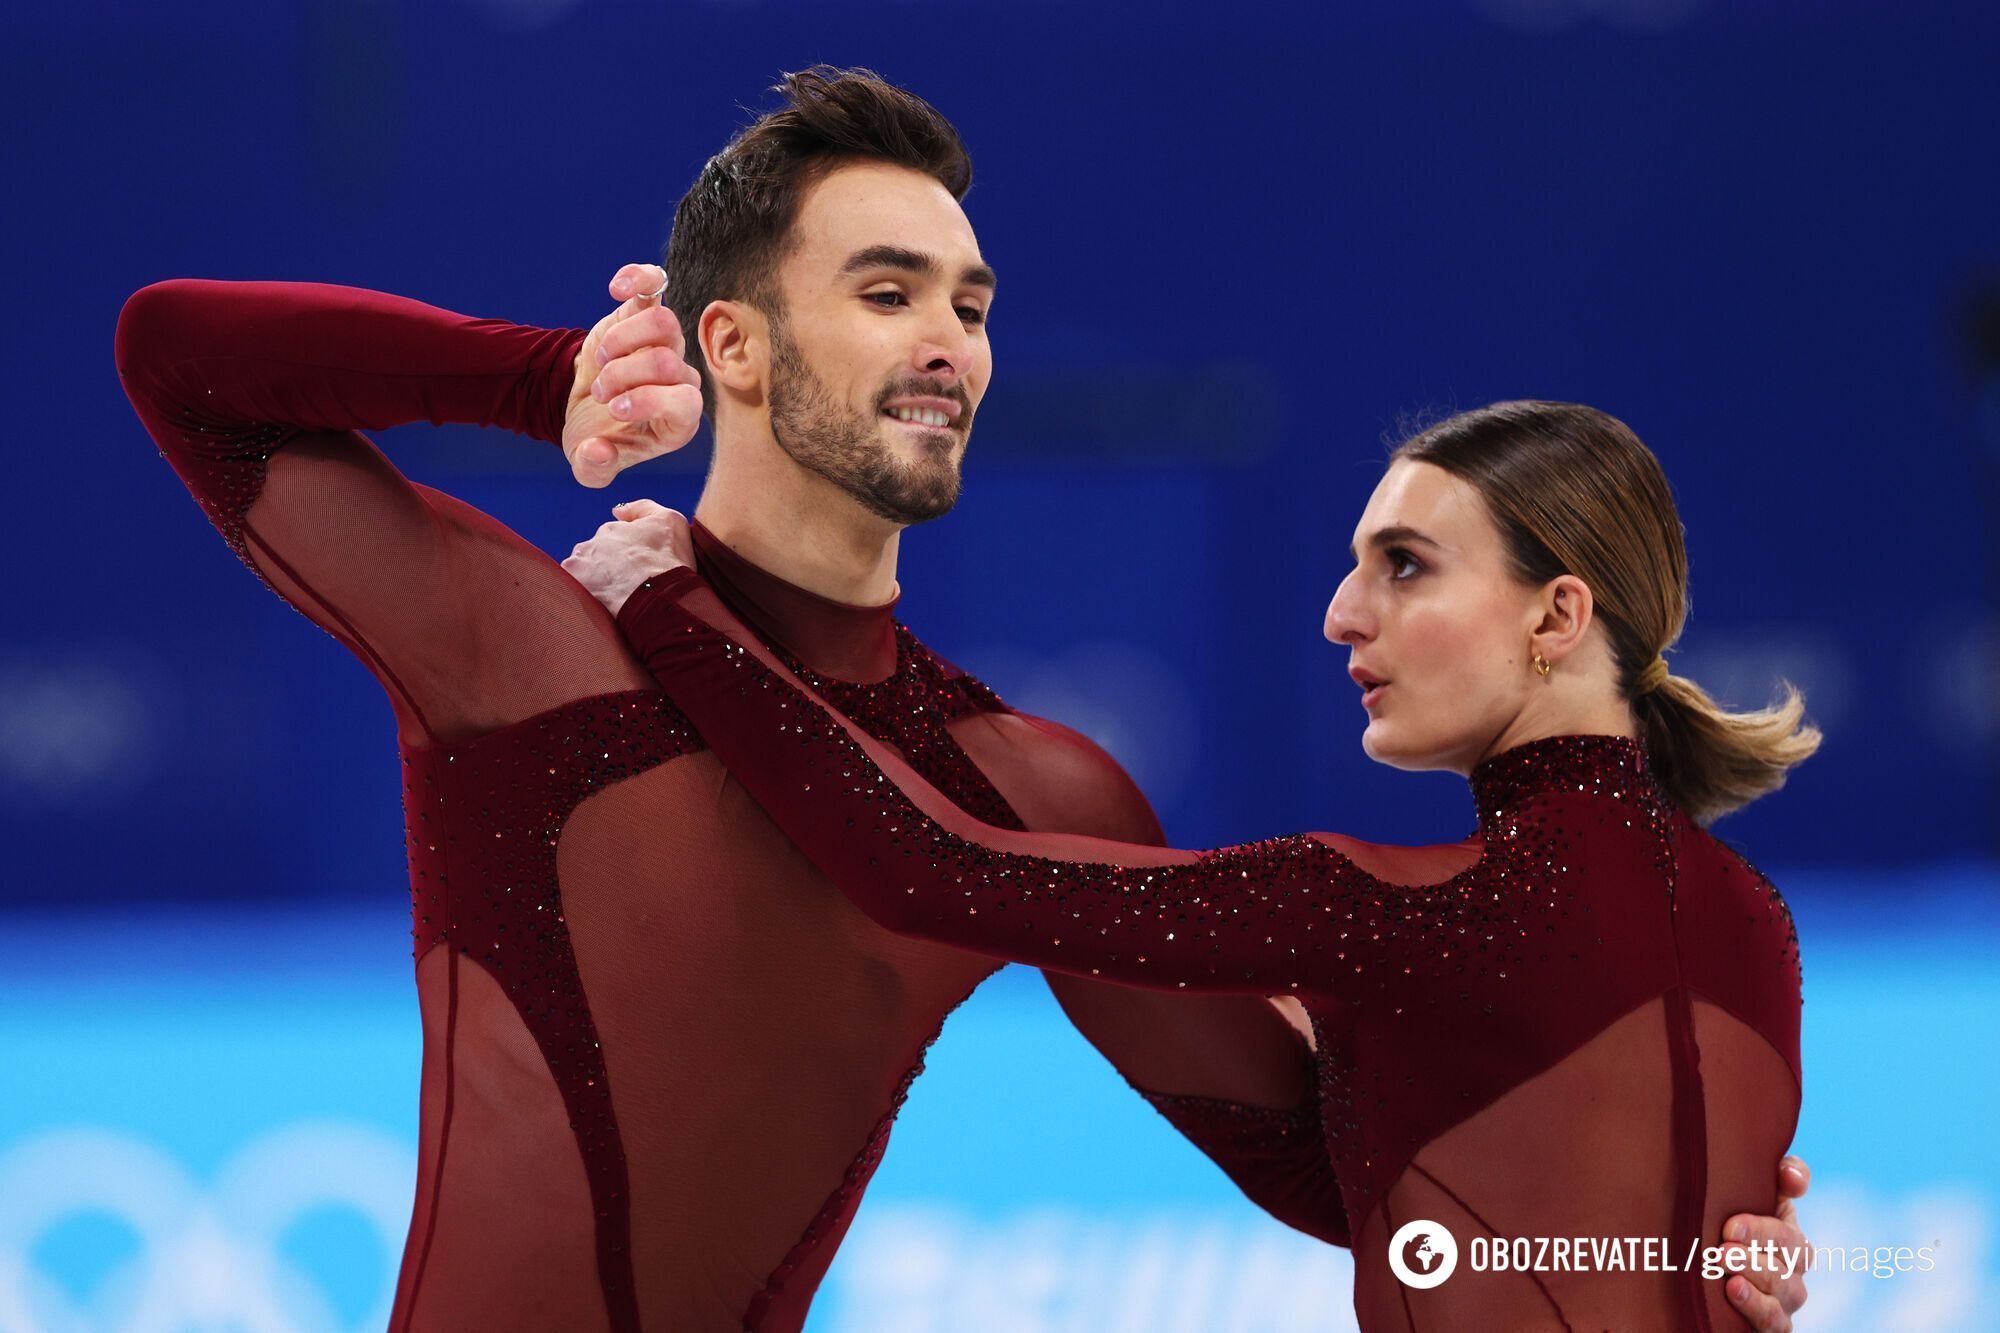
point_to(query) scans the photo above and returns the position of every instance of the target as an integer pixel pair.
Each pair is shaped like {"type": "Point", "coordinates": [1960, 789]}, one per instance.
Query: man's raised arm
{"type": "Point", "coordinates": [255, 392]}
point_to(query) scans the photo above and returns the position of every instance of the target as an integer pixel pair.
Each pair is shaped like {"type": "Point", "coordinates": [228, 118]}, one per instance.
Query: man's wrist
{"type": "Point", "coordinates": [559, 386]}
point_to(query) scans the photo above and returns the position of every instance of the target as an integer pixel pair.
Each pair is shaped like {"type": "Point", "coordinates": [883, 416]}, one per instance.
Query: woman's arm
{"type": "Point", "coordinates": [1276, 917]}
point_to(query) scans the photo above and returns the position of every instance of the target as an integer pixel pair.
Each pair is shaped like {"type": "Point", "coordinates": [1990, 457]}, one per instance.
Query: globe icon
{"type": "Point", "coordinates": [1423, 1253]}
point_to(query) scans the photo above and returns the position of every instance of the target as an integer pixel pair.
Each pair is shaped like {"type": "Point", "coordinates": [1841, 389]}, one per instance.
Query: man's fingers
{"type": "Point", "coordinates": [595, 463]}
{"type": "Point", "coordinates": [648, 365]}
{"type": "Point", "coordinates": [1764, 1230]}
{"type": "Point", "coordinates": [1760, 1311]}
{"type": "Point", "coordinates": [668, 416]}
{"type": "Point", "coordinates": [1779, 1244]}
{"type": "Point", "coordinates": [1794, 1176]}
{"type": "Point", "coordinates": [637, 279]}
{"type": "Point", "coordinates": [631, 329]}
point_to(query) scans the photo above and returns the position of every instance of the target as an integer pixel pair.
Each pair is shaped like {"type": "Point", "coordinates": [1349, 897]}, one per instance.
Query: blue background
{"type": "Point", "coordinates": [1238, 244]}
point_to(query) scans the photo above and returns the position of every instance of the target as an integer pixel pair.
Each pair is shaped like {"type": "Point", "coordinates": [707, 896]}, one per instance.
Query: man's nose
{"type": "Point", "coordinates": [945, 349]}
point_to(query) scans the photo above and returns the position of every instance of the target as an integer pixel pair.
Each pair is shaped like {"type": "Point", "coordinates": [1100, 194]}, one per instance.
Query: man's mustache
{"type": "Point", "coordinates": [929, 388]}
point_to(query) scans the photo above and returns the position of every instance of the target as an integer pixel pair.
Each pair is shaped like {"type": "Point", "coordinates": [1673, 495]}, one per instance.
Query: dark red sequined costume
{"type": "Point", "coordinates": [1581, 1021]}
{"type": "Point", "coordinates": [661, 1056]}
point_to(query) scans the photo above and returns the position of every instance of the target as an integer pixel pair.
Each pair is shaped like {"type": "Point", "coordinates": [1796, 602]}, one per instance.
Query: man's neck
{"type": "Point", "coordinates": [797, 525]}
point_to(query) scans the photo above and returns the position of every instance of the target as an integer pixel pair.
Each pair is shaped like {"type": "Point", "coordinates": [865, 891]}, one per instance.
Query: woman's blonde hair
{"type": "Point", "coordinates": [1574, 491]}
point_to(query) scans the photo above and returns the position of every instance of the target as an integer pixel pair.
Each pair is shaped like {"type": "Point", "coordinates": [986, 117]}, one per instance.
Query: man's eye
{"type": "Point", "coordinates": [972, 314]}
{"type": "Point", "coordinates": [886, 298]}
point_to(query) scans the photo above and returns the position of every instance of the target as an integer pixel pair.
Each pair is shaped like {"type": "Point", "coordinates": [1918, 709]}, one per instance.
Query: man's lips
{"type": "Point", "coordinates": [932, 412]}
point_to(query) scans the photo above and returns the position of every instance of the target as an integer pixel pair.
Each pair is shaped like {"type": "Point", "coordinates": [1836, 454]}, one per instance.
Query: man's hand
{"type": "Point", "coordinates": [644, 540]}
{"type": "Point", "coordinates": [634, 397]}
{"type": "Point", "coordinates": [1768, 1300]}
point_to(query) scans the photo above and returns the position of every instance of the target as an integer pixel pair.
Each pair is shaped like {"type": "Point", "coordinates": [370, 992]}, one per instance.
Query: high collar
{"type": "Point", "coordinates": [1616, 767]}
{"type": "Point", "coordinates": [851, 643]}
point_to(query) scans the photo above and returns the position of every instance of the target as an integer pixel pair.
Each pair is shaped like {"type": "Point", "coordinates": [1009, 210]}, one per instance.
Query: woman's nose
{"type": "Point", "coordinates": [1344, 620]}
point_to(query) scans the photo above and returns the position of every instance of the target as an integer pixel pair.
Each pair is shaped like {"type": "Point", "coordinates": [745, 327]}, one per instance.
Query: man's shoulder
{"type": "Point", "coordinates": [1056, 778]}
{"type": "Point", "coordinates": [964, 692]}
{"type": "Point", "coordinates": [1091, 791]}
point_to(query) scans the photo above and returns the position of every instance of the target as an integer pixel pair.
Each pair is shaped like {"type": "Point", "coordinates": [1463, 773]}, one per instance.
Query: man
{"type": "Point", "coordinates": [661, 1055]}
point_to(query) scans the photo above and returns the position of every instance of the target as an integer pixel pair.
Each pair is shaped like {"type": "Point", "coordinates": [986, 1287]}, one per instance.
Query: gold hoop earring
{"type": "Point", "coordinates": [1543, 665]}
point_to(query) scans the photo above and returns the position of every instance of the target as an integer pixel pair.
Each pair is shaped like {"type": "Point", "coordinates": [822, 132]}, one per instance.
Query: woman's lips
{"type": "Point", "coordinates": [1371, 697]}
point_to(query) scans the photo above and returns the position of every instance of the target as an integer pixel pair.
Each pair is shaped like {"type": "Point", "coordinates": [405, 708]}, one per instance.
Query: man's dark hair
{"type": "Point", "coordinates": [734, 225]}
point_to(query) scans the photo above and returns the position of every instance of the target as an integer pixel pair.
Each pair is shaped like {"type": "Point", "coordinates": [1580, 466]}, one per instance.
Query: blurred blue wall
{"type": "Point", "coordinates": [1237, 244]}
{"type": "Point", "coordinates": [1748, 231]}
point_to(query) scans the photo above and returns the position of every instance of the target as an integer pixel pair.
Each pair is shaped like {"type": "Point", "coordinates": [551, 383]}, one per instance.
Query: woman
{"type": "Point", "coordinates": [1582, 1021]}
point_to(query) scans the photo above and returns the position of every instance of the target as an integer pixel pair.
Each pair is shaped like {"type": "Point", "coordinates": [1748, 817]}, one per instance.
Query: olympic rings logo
{"type": "Point", "coordinates": [207, 1256]}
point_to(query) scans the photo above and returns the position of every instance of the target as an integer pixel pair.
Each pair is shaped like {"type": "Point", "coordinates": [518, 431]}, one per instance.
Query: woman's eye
{"type": "Point", "coordinates": [1401, 562]}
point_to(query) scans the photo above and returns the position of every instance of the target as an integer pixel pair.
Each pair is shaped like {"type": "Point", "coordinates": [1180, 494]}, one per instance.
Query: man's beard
{"type": "Point", "coordinates": [824, 437]}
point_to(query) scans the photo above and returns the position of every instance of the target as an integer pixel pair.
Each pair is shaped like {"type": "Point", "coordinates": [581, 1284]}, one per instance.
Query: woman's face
{"type": "Point", "coordinates": [1439, 629]}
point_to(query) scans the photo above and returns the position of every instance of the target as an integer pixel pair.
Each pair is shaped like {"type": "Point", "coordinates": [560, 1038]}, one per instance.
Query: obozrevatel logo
{"type": "Point", "coordinates": [1422, 1254]}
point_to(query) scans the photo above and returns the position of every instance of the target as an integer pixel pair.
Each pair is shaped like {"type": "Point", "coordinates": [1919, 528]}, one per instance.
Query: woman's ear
{"type": "Point", "coordinates": [1567, 609]}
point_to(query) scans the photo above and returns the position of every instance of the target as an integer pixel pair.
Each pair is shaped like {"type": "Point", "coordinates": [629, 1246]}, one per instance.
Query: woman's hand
{"type": "Point", "coordinates": [635, 397]}
{"type": "Point", "coordinates": [644, 540]}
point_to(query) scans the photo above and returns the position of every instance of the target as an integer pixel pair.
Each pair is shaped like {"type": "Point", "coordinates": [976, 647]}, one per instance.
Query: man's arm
{"type": "Point", "coordinates": [1230, 1072]}
{"type": "Point", "coordinates": [1257, 1114]}
{"type": "Point", "coordinates": [255, 392]}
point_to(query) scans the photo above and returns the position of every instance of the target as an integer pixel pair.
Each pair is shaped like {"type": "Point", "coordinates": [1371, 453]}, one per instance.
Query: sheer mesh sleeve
{"type": "Point", "coordinates": [1230, 1073]}
{"type": "Point", "coordinates": [1234, 1077]}
{"type": "Point", "coordinates": [255, 392]}
{"type": "Point", "coordinates": [1253, 919]}
{"type": "Point", "coordinates": [1278, 1158]}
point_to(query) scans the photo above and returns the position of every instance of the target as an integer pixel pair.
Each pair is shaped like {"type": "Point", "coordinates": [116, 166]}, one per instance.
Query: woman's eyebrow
{"type": "Point", "coordinates": [1392, 536]}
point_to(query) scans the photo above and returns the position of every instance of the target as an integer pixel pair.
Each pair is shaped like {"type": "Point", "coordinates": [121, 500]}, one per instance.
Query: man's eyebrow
{"type": "Point", "coordinates": [912, 261]}
{"type": "Point", "coordinates": [1392, 536]}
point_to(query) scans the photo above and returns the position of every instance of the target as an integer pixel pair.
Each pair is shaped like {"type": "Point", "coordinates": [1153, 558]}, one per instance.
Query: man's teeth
{"type": "Point", "coordinates": [923, 416]}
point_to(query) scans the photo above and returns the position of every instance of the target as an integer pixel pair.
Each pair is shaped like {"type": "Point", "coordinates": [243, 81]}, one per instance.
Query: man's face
{"type": "Point", "coordinates": [879, 357]}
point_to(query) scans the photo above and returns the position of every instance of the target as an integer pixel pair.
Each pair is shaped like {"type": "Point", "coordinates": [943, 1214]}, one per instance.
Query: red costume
{"type": "Point", "coordinates": [1583, 1021]}
{"type": "Point", "coordinates": [661, 1057]}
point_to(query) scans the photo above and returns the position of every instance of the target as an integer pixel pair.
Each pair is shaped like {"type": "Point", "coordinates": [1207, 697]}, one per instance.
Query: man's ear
{"type": "Point", "coordinates": [735, 344]}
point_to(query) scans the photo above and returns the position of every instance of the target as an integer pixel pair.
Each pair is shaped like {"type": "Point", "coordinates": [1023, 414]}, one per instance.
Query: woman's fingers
{"type": "Point", "coordinates": [658, 529]}
{"type": "Point", "coordinates": [637, 509]}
